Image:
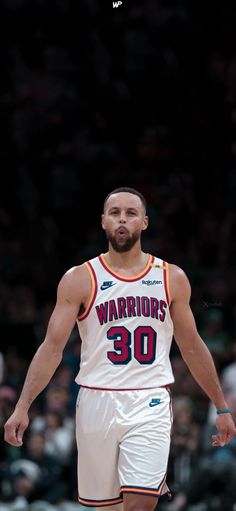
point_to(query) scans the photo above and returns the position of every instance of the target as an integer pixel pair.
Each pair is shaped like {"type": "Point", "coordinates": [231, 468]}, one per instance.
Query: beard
{"type": "Point", "coordinates": [123, 245]}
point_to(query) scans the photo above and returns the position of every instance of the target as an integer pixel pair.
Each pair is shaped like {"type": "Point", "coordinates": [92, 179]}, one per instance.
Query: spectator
{"type": "Point", "coordinates": [58, 436]}
{"type": "Point", "coordinates": [215, 336]}
{"type": "Point", "coordinates": [185, 443]}
{"type": "Point", "coordinates": [35, 475]}
{"type": "Point", "coordinates": [213, 479]}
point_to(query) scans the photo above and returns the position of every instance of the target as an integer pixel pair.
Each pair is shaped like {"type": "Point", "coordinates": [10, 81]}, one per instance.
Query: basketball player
{"type": "Point", "coordinates": [128, 304]}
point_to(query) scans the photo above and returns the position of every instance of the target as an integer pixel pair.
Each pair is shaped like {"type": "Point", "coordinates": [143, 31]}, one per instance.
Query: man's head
{"type": "Point", "coordinates": [124, 218]}
{"type": "Point", "coordinates": [126, 189]}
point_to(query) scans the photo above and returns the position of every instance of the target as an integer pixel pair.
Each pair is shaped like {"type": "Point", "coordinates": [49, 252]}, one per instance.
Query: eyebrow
{"type": "Point", "coordinates": [119, 208]}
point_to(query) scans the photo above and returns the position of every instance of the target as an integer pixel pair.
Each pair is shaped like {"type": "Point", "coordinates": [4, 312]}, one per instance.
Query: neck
{"type": "Point", "coordinates": [130, 259]}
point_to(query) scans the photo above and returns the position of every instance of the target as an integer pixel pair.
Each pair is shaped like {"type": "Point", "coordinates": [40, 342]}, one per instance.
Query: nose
{"type": "Point", "coordinates": [122, 218]}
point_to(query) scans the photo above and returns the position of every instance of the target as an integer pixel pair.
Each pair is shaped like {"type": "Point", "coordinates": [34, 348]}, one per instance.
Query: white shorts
{"type": "Point", "coordinates": [123, 440]}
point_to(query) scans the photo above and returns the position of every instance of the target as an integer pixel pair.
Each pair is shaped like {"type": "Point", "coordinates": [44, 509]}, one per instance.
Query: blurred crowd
{"type": "Point", "coordinates": [93, 98]}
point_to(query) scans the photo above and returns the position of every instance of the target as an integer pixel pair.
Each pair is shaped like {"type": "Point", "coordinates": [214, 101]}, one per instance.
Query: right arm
{"type": "Point", "coordinates": [71, 294]}
{"type": "Point", "coordinates": [196, 354]}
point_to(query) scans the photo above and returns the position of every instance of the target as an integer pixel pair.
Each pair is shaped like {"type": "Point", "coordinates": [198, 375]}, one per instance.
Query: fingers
{"type": "Point", "coordinates": [20, 432]}
{"type": "Point", "coordinates": [221, 439]}
{"type": "Point", "coordinates": [14, 434]}
{"type": "Point", "coordinates": [223, 436]}
{"type": "Point", "coordinates": [217, 441]}
{"type": "Point", "coordinates": [10, 436]}
{"type": "Point", "coordinates": [15, 427]}
{"type": "Point", "coordinates": [226, 429]}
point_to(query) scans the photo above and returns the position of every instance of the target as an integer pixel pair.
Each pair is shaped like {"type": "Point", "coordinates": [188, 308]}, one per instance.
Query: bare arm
{"type": "Point", "coordinates": [49, 354]}
{"type": "Point", "coordinates": [70, 295]}
{"type": "Point", "coordinates": [195, 352]}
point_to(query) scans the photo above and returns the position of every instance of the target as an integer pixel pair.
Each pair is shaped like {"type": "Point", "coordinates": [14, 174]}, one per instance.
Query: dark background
{"type": "Point", "coordinates": [94, 97]}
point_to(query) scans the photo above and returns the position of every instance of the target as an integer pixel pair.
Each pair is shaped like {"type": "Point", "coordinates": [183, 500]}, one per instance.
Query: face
{"type": "Point", "coordinates": [123, 220]}
{"type": "Point", "coordinates": [36, 444]}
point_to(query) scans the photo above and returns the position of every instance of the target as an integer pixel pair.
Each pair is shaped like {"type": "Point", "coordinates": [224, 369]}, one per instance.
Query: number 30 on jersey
{"type": "Point", "coordinates": [142, 347]}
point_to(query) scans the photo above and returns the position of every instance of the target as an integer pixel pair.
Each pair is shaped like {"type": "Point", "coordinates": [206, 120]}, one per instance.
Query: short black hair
{"type": "Point", "coordinates": [128, 190]}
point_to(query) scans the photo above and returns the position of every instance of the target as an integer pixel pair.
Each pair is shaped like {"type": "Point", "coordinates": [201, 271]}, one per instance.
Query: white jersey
{"type": "Point", "coordinates": [126, 330]}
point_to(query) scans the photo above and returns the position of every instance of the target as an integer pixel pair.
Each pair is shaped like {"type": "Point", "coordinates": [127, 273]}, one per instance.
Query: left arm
{"type": "Point", "coordinates": [195, 352]}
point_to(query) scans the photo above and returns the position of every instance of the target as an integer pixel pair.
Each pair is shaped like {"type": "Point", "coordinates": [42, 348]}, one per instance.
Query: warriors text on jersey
{"type": "Point", "coordinates": [127, 329]}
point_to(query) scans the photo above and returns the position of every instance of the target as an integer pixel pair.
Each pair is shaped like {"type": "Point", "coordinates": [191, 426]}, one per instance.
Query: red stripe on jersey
{"type": "Point", "coordinates": [127, 279]}
{"type": "Point", "coordinates": [93, 293]}
{"type": "Point", "coordinates": [166, 281]}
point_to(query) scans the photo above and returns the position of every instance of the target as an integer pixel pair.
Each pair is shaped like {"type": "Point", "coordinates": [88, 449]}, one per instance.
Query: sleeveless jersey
{"type": "Point", "coordinates": [126, 329]}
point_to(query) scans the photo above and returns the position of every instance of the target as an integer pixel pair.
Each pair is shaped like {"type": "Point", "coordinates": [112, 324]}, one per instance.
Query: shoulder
{"type": "Point", "coordinates": [179, 282]}
{"type": "Point", "coordinates": [76, 280]}
{"type": "Point", "coordinates": [75, 274]}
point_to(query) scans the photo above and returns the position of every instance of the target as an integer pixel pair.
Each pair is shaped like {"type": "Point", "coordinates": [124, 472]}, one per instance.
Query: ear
{"type": "Point", "coordinates": [145, 223]}
{"type": "Point", "coordinates": [102, 221]}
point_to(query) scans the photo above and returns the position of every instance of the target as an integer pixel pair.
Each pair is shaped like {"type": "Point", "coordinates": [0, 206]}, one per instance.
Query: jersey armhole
{"type": "Point", "coordinates": [167, 282]}
{"type": "Point", "coordinates": [93, 291]}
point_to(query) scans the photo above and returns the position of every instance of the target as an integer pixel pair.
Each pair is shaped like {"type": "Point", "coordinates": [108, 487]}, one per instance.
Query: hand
{"type": "Point", "coordinates": [226, 428]}
{"type": "Point", "coordinates": [15, 427]}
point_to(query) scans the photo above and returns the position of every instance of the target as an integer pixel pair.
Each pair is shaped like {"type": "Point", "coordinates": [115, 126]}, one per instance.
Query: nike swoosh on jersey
{"type": "Point", "coordinates": [106, 285]}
